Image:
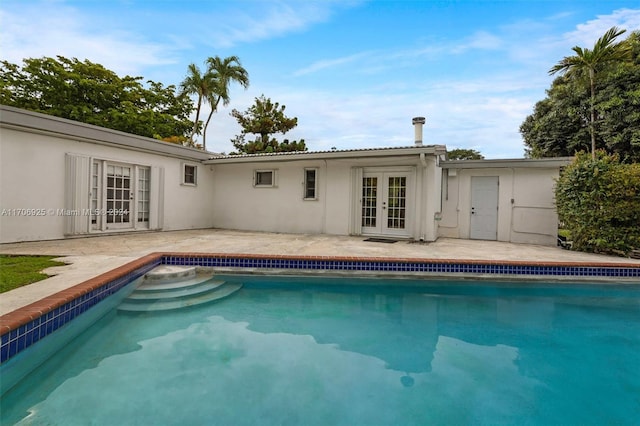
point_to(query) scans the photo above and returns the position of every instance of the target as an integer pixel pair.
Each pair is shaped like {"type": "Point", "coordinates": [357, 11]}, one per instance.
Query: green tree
{"type": "Point", "coordinates": [618, 106]}
{"type": "Point", "coordinates": [88, 92]}
{"type": "Point", "coordinates": [263, 119]}
{"type": "Point", "coordinates": [200, 84]}
{"type": "Point", "coordinates": [224, 72]}
{"type": "Point", "coordinates": [598, 201]}
{"type": "Point", "coordinates": [588, 63]}
{"type": "Point", "coordinates": [464, 154]}
{"type": "Point", "coordinates": [560, 123]}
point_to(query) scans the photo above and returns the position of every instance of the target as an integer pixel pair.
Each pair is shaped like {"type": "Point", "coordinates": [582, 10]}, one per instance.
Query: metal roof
{"type": "Point", "coordinates": [332, 154]}
{"type": "Point", "coordinates": [506, 163]}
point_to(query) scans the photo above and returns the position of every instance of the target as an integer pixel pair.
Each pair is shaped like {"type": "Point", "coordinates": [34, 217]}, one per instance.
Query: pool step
{"type": "Point", "coordinates": [192, 287]}
{"type": "Point", "coordinates": [166, 273]}
{"type": "Point", "coordinates": [154, 286]}
{"type": "Point", "coordinates": [175, 288]}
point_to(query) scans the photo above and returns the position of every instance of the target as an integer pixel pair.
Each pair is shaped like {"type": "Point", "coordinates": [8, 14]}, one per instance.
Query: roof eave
{"type": "Point", "coordinates": [327, 155]}
{"type": "Point", "coordinates": [507, 163]}
{"type": "Point", "coordinates": [35, 122]}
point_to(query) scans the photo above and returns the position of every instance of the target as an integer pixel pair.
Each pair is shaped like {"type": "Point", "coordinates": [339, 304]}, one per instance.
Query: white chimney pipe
{"type": "Point", "coordinates": [417, 125]}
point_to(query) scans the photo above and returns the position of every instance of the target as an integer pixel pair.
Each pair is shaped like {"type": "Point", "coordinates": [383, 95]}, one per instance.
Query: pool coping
{"type": "Point", "coordinates": [24, 326]}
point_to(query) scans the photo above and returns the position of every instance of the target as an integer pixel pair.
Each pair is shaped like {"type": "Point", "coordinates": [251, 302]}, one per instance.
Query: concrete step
{"type": "Point", "coordinates": [217, 293]}
{"type": "Point", "coordinates": [175, 292]}
{"type": "Point", "coordinates": [150, 286]}
{"type": "Point", "coordinates": [170, 273]}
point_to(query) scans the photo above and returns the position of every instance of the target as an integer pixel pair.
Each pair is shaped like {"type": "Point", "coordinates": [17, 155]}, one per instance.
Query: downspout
{"type": "Point", "coordinates": [324, 197]}
{"type": "Point", "coordinates": [423, 198]}
{"type": "Point", "coordinates": [512, 202]}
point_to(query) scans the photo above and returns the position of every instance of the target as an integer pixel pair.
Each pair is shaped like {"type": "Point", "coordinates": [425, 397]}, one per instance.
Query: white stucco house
{"type": "Point", "coordinates": [64, 179]}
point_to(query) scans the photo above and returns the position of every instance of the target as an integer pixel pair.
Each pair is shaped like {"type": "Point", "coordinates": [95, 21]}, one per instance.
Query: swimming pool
{"type": "Point", "coordinates": [341, 351]}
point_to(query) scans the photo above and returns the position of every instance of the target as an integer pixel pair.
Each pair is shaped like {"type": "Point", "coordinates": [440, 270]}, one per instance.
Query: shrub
{"type": "Point", "coordinates": [598, 200]}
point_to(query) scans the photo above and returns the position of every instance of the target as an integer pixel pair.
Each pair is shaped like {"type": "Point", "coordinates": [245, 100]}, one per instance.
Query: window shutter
{"type": "Point", "coordinates": [156, 198]}
{"type": "Point", "coordinates": [77, 194]}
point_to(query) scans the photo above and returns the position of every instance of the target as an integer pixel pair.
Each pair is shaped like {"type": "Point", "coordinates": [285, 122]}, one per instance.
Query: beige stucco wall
{"type": "Point", "coordinates": [240, 205]}
{"type": "Point", "coordinates": [281, 208]}
{"type": "Point", "coordinates": [32, 176]}
{"type": "Point", "coordinates": [526, 210]}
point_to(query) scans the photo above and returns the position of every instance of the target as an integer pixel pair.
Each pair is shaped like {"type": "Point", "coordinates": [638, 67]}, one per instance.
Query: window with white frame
{"type": "Point", "coordinates": [310, 184]}
{"type": "Point", "coordinates": [189, 174]}
{"type": "Point", "coordinates": [264, 178]}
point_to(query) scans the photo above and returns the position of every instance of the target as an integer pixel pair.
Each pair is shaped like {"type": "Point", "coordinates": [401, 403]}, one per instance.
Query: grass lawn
{"type": "Point", "coordinates": [17, 271]}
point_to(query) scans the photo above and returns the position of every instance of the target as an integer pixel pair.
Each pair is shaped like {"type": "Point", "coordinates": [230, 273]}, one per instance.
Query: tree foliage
{"type": "Point", "coordinates": [200, 84]}
{"type": "Point", "coordinates": [598, 200]}
{"type": "Point", "coordinates": [225, 71]}
{"type": "Point", "coordinates": [590, 62]}
{"type": "Point", "coordinates": [464, 154]}
{"type": "Point", "coordinates": [88, 92]}
{"type": "Point", "coordinates": [263, 119]}
{"type": "Point", "coordinates": [561, 124]}
{"type": "Point", "coordinates": [212, 86]}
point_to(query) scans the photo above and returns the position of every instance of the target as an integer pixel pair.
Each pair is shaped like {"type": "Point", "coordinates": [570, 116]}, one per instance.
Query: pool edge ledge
{"type": "Point", "coordinates": [24, 326]}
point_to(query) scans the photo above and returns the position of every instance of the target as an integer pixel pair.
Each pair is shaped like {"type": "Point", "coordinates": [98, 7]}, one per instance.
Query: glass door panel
{"type": "Point", "coordinates": [370, 201]}
{"type": "Point", "coordinates": [119, 196]}
{"type": "Point", "coordinates": [396, 202]}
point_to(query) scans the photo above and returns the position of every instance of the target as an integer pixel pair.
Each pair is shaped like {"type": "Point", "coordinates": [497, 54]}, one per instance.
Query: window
{"type": "Point", "coordinates": [190, 174]}
{"type": "Point", "coordinates": [144, 175]}
{"type": "Point", "coordinates": [265, 178]}
{"type": "Point", "coordinates": [310, 184]}
{"type": "Point", "coordinates": [96, 188]}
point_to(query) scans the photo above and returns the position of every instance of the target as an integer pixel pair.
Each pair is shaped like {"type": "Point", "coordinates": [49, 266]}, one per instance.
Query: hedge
{"type": "Point", "coordinates": [598, 200]}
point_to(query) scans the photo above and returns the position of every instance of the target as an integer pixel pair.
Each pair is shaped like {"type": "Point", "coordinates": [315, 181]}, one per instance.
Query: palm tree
{"type": "Point", "coordinates": [223, 72]}
{"type": "Point", "coordinates": [197, 83]}
{"type": "Point", "coordinates": [589, 62]}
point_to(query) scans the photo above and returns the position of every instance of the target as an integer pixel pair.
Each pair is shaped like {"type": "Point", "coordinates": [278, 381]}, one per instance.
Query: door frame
{"type": "Point", "coordinates": [98, 197]}
{"type": "Point", "coordinates": [383, 173]}
{"type": "Point", "coordinates": [481, 215]}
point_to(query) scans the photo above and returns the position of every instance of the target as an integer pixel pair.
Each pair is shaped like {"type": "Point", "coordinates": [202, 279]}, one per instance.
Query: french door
{"type": "Point", "coordinates": [119, 196]}
{"type": "Point", "coordinates": [385, 203]}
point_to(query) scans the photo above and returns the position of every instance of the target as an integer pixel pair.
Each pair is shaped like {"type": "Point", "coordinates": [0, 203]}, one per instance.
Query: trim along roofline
{"type": "Point", "coordinates": [329, 155]}
{"type": "Point", "coordinates": [553, 162]}
{"type": "Point", "coordinates": [35, 122]}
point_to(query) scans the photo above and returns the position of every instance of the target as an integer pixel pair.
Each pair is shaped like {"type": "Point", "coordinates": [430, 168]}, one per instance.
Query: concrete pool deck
{"type": "Point", "coordinates": [89, 257]}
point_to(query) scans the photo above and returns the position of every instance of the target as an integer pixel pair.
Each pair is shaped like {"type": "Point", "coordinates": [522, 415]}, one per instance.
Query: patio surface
{"type": "Point", "coordinates": [88, 257]}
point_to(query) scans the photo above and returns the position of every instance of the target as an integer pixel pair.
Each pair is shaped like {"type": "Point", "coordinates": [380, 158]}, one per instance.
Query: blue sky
{"type": "Point", "coordinates": [353, 72]}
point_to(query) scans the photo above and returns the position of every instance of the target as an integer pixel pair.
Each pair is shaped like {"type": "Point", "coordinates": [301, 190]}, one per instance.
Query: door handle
{"type": "Point", "coordinates": [473, 210]}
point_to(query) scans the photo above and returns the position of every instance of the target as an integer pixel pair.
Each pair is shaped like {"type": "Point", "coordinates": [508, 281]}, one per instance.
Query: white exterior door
{"type": "Point", "coordinates": [484, 208]}
{"type": "Point", "coordinates": [385, 203]}
{"type": "Point", "coordinates": [119, 196]}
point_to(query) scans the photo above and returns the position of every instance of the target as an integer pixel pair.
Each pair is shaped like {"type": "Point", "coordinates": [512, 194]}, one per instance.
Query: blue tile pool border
{"type": "Point", "coordinates": [431, 266]}
{"type": "Point", "coordinates": [26, 326]}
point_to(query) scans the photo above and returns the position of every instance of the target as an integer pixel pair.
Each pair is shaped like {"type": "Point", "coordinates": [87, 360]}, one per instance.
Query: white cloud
{"type": "Point", "coordinates": [585, 35]}
{"type": "Point", "coordinates": [266, 20]}
{"type": "Point", "coordinates": [50, 29]}
{"type": "Point", "coordinates": [330, 63]}
{"type": "Point", "coordinates": [482, 114]}
{"type": "Point", "coordinates": [481, 40]}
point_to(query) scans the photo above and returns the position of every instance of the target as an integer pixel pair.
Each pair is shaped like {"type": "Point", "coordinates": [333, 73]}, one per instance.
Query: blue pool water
{"type": "Point", "coordinates": [340, 352]}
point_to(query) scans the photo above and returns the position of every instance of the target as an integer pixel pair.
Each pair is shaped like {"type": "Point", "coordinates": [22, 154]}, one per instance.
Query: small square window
{"type": "Point", "coordinates": [310, 184]}
{"type": "Point", "coordinates": [265, 178]}
{"type": "Point", "coordinates": [189, 174]}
